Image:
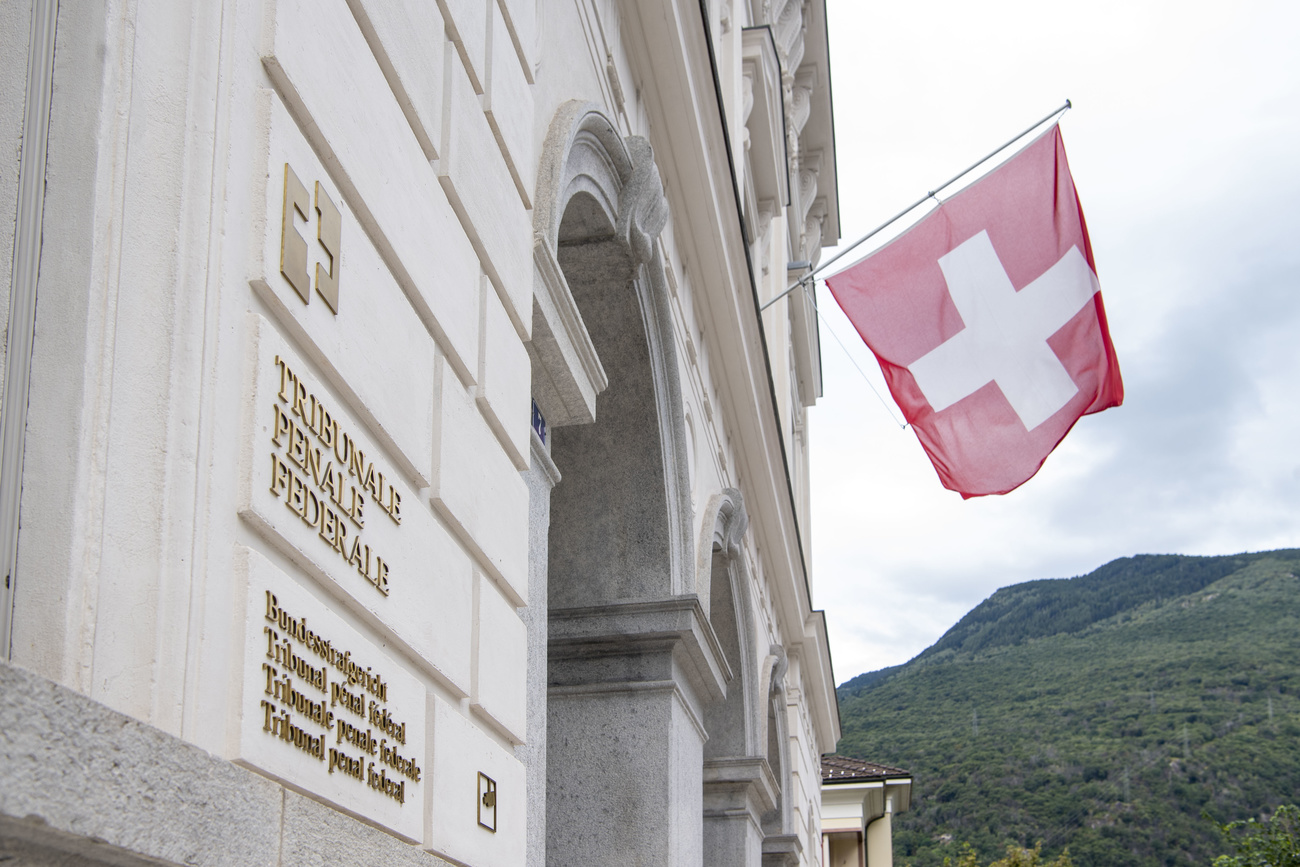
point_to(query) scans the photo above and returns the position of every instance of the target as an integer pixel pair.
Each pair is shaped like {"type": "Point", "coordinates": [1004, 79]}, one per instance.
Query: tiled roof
{"type": "Point", "coordinates": [842, 769]}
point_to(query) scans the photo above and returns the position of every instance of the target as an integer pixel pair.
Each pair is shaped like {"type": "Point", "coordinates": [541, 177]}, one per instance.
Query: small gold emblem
{"type": "Point", "coordinates": [487, 802]}
{"type": "Point", "coordinates": [293, 247]}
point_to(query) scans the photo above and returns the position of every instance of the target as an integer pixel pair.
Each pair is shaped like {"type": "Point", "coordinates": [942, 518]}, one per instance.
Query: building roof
{"type": "Point", "coordinates": [842, 769]}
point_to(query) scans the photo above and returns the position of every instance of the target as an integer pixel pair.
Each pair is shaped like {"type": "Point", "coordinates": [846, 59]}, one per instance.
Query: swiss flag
{"type": "Point", "coordinates": [987, 321]}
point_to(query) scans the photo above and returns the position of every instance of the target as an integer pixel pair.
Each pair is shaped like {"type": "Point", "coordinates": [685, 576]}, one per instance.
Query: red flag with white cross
{"type": "Point", "coordinates": [987, 321]}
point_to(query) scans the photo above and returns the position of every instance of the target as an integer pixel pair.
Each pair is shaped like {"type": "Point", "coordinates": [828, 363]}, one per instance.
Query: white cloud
{"type": "Point", "coordinates": [1183, 147]}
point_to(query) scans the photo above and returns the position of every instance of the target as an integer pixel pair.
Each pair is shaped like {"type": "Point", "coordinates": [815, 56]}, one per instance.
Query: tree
{"type": "Point", "coordinates": [1016, 857]}
{"type": "Point", "coordinates": [1275, 842]}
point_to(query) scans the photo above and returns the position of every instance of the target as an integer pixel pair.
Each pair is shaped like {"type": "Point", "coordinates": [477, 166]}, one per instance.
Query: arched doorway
{"type": "Point", "coordinates": [630, 658]}
{"type": "Point", "coordinates": [739, 787]}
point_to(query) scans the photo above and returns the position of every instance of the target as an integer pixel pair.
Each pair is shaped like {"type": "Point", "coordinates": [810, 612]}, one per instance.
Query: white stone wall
{"type": "Point", "coordinates": [239, 484]}
{"type": "Point", "coordinates": [223, 427]}
{"type": "Point", "coordinates": [15, 31]}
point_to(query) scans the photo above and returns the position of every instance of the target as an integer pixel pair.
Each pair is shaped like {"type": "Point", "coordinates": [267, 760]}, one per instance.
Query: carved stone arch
{"type": "Point", "coordinates": [739, 787]}
{"type": "Point", "coordinates": [600, 206]}
{"type": "Point", "coordinates": [584, 155]}
{"type": "Point", "coordinates": [631, 661]}
{"type": "Point", "coordinates": [724, 524]}
{"type": "Point", "coordinates": [781, 844]}
{"type": "Point", "coordinates": [731, 722]}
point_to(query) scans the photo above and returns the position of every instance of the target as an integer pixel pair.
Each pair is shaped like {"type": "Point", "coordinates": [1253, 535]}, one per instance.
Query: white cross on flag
{"type": "Point", "coordinates": [987, 321]}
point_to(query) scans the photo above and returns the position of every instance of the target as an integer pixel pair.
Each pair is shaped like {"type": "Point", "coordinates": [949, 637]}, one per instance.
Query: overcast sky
{"type": "Point", "coordinates": [1185, 147]}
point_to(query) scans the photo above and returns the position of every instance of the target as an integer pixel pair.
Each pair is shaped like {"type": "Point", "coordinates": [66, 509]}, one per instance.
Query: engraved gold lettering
{"type": "Point", "coordinates": [345, 764]}
{"type": "Point", "coordinates": [330, 483]}
{"type": "Point", "coordinates": [343, 448]}
{"type": "Point", "coordinates": [357, 508]}
{"type": "Point", "coordinates": [355, 555]}
{"type": "Point", "coordinates": [297, 451]}
{"type": "Point", "coordinates": [395, 760]}
{"type": "Point", "coordinates": [312, 485]}
{"type": "Point", "coordinates": [328, 429]}
{"type": "Point", "coordinates": [281, 427]}
{"type": "Point", "coordinates": [280, 475]}
{"type": "Point", "coordinates": [297, 717]}
{"type": "Point", "coordinates": [313, 466]}
{"type": "Point", "coordinates": [296, 494]}
{"type": "Point", "coordinates": [381, 782]}
{"type": "Point", "coordinates": [286, 379]}
{"type": "Point", "coordinates": [350, 701]}
{"type": "Point", "coordinates": [341, 538]}
{"type": "Point", "coordinates": [329, 527]}
{"type": "Point", "coordinates": [299, 397]}
{"type": "Point", "coordinates": [271, 719]}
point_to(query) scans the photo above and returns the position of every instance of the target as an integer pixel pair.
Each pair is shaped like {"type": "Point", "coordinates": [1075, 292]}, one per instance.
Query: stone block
{"type": "Point", "coordinates": [467, 28]}
{"type": "Point", "coordinates": [407, 39]}
{"type": "Point", "coordinates": [327, 709]}
{"type": "Point", "coordinates": [508, 104]}
{"type": "Point", "coordinates": [390, 383]}
{"type": "Point", "coordinates": [310, 472]}
{"type": "Point", "coordinates": [461, 752]}
{"type": "Point", "coordinates": [620, 777]}
{"type": "Point", "coordinates": [504, 377]}
{"type": "Point", "coordinates": [316, 836]}
{"type": "Point", "coordinates": [477, 488]}
{"type": "Point", "coordinates": [317, 57]}
{"type": "Point", "coordinates": [90, 775]}
{"type": "Point", "coordinates": [500, 690]}
{"type": "Point", "coordinates": [521, 18]}
{"type": "Point", "coordinates": [479, 186]}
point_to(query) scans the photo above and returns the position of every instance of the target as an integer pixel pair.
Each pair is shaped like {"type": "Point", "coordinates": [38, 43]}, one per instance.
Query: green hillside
{"type": "Point", "coordinates": [1104, 713]}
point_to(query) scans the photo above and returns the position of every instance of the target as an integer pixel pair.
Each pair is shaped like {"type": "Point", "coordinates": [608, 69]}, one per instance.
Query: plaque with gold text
{"type": "Point", "coordinates": [320, 489]}
{"type": "Point", "coordinates": [326, 709]}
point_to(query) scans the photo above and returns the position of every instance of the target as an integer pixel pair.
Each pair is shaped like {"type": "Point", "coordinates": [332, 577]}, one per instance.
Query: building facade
{"type": "Point", "coordinates": [859, 800]}
{"type": "Point", "coordinates": [398, 462]}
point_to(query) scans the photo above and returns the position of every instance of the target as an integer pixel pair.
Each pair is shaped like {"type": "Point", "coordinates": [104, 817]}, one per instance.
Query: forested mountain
{"type": "Point", "coordinates": [1105, 713]}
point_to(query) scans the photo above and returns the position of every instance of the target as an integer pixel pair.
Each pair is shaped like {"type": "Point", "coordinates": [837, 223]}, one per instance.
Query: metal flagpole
{"type": "Point", "coordinates": [930, 195]}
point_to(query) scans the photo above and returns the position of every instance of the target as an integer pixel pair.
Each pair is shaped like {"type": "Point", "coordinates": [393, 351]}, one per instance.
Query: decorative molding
{"type": "Point", "coordinates": [22, 296]}
{"type": "Point", "coordinates": [801, 99]}
{"type": "Point", "coordinates": [810, 166]}
{"type": "Point", "coordinates": [765, 118]}
{"type": "Point", "coordinates": [615, 85]}
{"type": "Point", "coordinates": [813, 229]}
{"type": "Point", "coordinates": [724, 531]}
{"type": "Point", "coordinates": [542, 457]}
{"type": "Point", "coordinates": [763, 230]}
{"type": "Point", "coordinates": [781, 850]}
{"type": "Point", "coordinates": [789, 24]}
{"type": "Point", "coordinates": [567, 373]}
{"type": "Point", "coordinates": [743, 785]}
{"type": "Point", "coordinates": [642, 206]}
{"type": "Point", "coordinates": [583, 152]}
{"type": "Point", "coordinates": [581, 640]}
{"type": "Point", "coordinates": [636, 686]}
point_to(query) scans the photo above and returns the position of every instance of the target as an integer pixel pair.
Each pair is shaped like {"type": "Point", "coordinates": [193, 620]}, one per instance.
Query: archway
{"type": "Point", "coordinates": [631, 660]}
{"type": "Point", "coordinates": [739, 787]}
